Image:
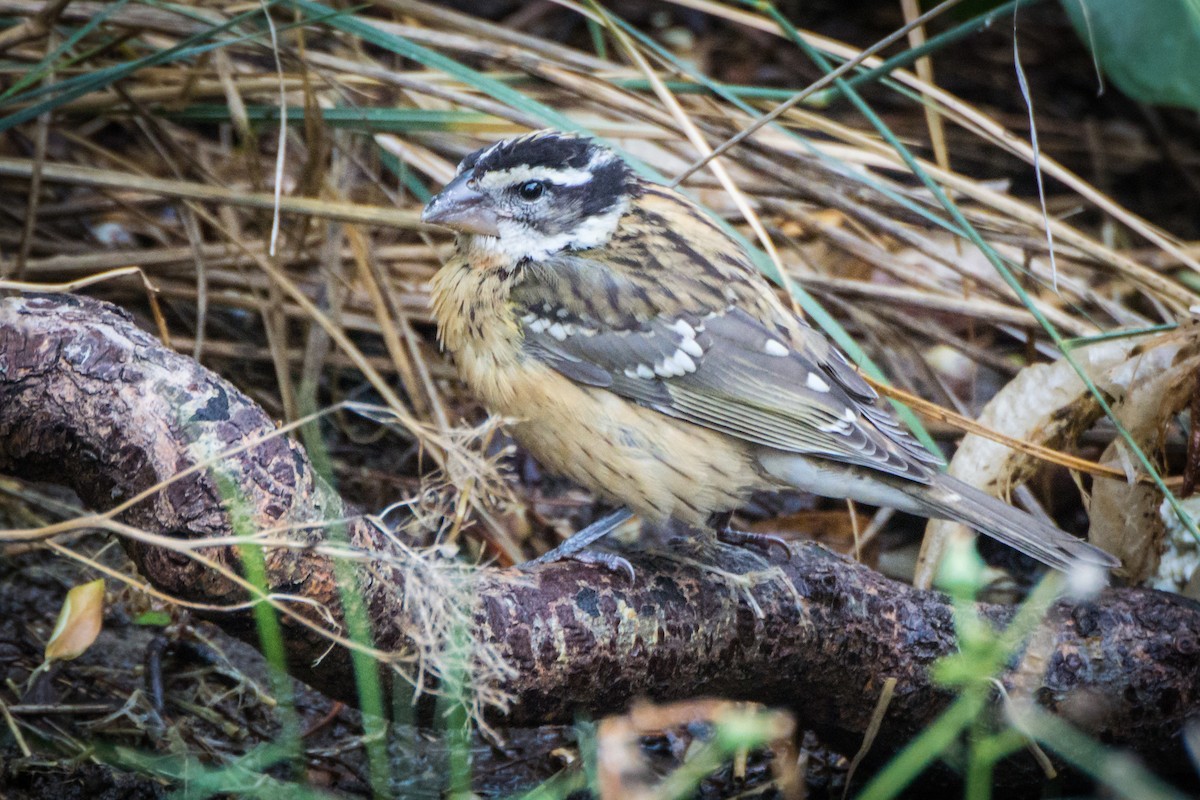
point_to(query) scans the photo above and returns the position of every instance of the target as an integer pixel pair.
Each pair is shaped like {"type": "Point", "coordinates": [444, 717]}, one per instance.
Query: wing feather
{"type": "Point", "coordinates": [725, 370]}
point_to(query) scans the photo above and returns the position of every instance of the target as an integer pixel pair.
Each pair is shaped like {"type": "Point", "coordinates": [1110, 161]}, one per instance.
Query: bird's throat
{"type": "Point", "coordinates": [476, 323]}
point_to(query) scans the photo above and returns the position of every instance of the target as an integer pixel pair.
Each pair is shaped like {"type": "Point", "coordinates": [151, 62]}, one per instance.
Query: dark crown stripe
{"type": "Point", "coordinates": [543, 150]}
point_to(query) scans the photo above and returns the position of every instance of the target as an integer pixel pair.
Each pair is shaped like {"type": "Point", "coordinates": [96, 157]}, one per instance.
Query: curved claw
{"type": "Point", "coordinates": [748, 539]}
{"type": "Point", "coordinates": [610, 561]}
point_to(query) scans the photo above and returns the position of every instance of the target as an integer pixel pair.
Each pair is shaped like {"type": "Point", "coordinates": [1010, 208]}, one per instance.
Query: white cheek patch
{"type": "Point", "coordinates": [518, 241]}
{"type": "Point", "coordinates": [594, 231]}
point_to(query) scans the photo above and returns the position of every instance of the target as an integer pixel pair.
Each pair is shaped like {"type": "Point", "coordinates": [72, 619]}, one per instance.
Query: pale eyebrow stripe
{"type": "Point", "coordinates": [561, 176]}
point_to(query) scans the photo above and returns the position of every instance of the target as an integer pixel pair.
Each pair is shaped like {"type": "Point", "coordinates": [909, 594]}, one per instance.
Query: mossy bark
{"type": "Point", "coordinates": [89, 400]}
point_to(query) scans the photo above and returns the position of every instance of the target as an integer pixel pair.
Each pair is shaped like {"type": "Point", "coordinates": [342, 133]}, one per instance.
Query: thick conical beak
{"type": "Point", "coordinates": [461, 208]}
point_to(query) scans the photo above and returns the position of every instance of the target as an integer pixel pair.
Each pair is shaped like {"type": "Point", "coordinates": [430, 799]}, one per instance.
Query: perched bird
{"type": "Point", "coordinates": [643, 355]}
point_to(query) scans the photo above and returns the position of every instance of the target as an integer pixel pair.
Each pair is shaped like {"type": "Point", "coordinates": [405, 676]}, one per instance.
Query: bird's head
{"type": "Point", "coordinates": [536, 195]}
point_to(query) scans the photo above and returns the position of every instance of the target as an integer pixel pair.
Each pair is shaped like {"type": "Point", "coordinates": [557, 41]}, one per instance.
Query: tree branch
{"type": "Point", "coordinates": [90, 401]}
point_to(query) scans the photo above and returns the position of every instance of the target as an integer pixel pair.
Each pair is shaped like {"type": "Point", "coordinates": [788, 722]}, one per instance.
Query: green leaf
{"type": "Point", "coordinates": [1147, 48]}
{"type": "Point", "coordinates": [153, 619]}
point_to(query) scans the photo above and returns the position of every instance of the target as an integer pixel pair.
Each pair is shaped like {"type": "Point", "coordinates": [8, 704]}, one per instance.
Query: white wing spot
{"type": "Point", "coordinates": [849, 415]}
{"type": "Point", "coordinates": [644, 371]}
{"type": "Point", "coordinates": [774, 348]}
{"type": "Point", "coordinates": [814, 382]}
{"type": "Point", "coordinates": [687, 335]}
{"type": "Point", "coordinates": [685, 330]}
{"type": "Point", "coordinates": [557, 331]}
{"type": "Point", "coordinates": [539, 325]}
{"type": "Point", "coordinates": [678, 363]}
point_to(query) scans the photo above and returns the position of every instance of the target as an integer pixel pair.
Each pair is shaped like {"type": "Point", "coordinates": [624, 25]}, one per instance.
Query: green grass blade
{"type": "Point", "coordinates": [931, 45]}
{"type": "Point", "coordinates": [925, 749]}
{"type": "Point", "coordinates": [989, 253]}
{"type": "Point", "coordinates": [374, 120]}
{"type": "Point", "coordinates": [811, 306]}
{"type": "Point", "coordinates": [84, 84]}
{"type": "Point", "coordinates": [408, 179]}
{"type": "Point", "coordinates": [564, 784]}
{"type": "Point", "coordinates": [498, 90]}
{"type": "Point", "coordinates": [367, 681]}
{"type": "Point", "coordinates": [42, 67]}
{"type": "Point", "coordinates": [1083, 341]}
{"type": "Point", "coordinates": [547, 116]}
{"type": "Point", "coordinates": [1122, 773]}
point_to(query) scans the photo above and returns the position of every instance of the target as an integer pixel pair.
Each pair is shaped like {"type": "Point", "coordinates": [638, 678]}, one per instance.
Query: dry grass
{"type": "Point", "coordinates": [178, 169]}
{"type": "Point", "coordinates": [291, 258]}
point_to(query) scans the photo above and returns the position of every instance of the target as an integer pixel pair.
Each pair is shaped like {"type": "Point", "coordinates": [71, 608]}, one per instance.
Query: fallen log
{"type": "Point", "coordinates": [89, 400]}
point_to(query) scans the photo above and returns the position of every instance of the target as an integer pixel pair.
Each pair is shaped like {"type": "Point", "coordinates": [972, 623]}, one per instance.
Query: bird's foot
{"type": "Point", "coordinates": [764, 541]}
{"type": "Point", "coordinates": [601, 558]}
{"type": "Point", "coordinates": [573, 548]}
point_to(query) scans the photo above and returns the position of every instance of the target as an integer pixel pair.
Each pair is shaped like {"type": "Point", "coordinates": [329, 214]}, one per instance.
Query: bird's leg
{"type": "Point", "coordinates": [573, 548]}
{"type": "Point", "coordinates": [719, 522]}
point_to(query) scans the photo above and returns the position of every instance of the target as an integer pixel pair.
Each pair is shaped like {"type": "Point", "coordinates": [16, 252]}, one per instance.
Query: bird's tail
{"type": "Point", "coordinates": [953, 499]}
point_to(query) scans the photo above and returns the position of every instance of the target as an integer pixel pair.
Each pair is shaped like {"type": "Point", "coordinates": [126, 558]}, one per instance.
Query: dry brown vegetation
{"type": "Point", "coordinates": [291, 261]}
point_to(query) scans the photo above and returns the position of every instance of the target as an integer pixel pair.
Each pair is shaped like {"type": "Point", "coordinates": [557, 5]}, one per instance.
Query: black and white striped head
{"type": "Point", "coordinates": [536, 195]}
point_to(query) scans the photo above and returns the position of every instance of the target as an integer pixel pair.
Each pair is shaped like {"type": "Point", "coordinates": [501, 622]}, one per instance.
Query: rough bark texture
{"type": "Point", "coordinates": [89, 400]}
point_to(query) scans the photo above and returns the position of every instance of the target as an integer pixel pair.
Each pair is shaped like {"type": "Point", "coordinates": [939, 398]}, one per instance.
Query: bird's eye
{"type": "Point", "coordinates": [531, 190]}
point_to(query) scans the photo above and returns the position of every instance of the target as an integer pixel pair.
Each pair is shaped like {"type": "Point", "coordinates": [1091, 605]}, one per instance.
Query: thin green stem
{"type": "Point", "coordinates": [989, 253]}
{"type": "Point", "coordinates": [931, 45]}
{"type": "Point", "coordinates": [925, 749]}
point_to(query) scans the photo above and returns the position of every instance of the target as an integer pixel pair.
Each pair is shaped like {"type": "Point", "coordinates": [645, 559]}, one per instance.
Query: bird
{"type": "Point", "coordinates": [638, 351]}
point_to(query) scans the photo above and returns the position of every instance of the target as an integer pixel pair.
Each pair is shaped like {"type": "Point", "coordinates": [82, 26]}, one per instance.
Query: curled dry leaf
{"type": "Point", "coordinates": [78, 623]}
{"type": "Point", "coordinates": [1149, 380]}
{"type": "Point", "coordinates": [1148, 390]}
{"type": "Point", "coordinates": [1047, 404]}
